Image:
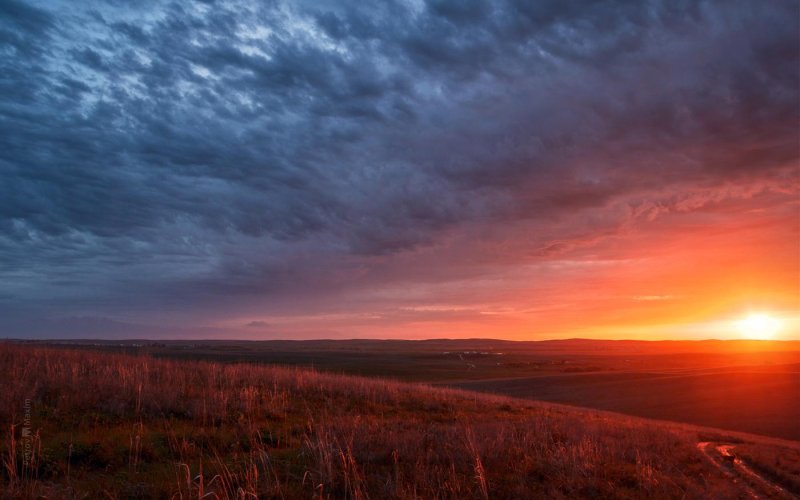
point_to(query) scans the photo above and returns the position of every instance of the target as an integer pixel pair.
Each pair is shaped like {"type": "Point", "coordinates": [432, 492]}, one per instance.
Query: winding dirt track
{"type": "Point", "coordinates": [752, 484]}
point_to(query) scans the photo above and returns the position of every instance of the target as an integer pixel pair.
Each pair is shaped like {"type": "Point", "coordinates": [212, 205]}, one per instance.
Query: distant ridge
{"type": "Point", "coordinates": [571, 345]}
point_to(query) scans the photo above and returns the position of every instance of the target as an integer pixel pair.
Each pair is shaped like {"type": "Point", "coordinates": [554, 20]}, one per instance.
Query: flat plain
{"type": "Point", "coordinates": [141, 419]}
{"type": "Point", "coordinates": [748, 386]}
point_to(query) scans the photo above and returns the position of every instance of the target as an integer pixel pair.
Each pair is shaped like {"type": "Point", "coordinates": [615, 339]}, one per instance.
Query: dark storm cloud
{"type": "Point", "coordinates": [188, 150]}
{"type": "Point", "coordinates": [25, 18]}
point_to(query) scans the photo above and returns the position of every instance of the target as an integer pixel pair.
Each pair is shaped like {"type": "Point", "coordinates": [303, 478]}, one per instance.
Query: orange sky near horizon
{"type": "Point", "coordinates": [517, 170]}
{"type": "Point", "coordinates": [681, 274]}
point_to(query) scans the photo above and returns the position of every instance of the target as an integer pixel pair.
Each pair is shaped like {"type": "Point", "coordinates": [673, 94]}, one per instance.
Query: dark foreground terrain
{"type": "Point", "coordinates": [748, 386]}
{"type": "Point", "coordinates": [89, 424]}
{"type": "Point", "coordinates": [751, 399]}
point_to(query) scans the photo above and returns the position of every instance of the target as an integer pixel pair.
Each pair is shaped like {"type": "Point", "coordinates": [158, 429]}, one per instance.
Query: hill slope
{"type": "Point", "coordinates": [748, 399]}
{"type": "Point", "coordinates": [88, 424]}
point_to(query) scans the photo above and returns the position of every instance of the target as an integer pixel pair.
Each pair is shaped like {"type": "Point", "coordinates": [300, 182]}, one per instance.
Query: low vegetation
{"type": "Point", "coordinates": [780, 465]}
{"type": "Point", "coordinates": [83, 424]}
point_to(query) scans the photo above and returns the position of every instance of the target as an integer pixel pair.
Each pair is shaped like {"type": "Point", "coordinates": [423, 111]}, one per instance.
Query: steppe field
{"type": "Point", "coordinates": [84, 422]}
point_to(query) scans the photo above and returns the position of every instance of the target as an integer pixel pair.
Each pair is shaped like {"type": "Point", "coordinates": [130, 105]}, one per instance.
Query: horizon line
{"type": "Point", "coordinates": [322, 339]}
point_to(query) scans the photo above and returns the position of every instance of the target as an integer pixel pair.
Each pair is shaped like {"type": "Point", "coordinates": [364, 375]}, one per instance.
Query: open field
{"type": "Point", "coordinates": [742, 398]}
{"type": "Point", "coordinates": [88, 424]}
{"type": "Point", "coordinates": [442, 360]}
{"type": "Point", "coordinates": [749, 386]}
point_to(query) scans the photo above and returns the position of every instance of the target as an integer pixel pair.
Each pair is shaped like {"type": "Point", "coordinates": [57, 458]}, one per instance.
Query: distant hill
{"type": "Point", "coordinates": [91, 424]}
{"type": "Point", "coordinates": [572, 346]}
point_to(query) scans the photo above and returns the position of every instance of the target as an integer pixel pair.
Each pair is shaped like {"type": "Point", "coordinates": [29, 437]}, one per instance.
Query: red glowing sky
{"type": "Point", "coordinates": [412, 170]}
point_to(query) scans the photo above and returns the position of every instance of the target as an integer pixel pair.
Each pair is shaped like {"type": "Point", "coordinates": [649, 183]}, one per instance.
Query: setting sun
{"type": "Point", "coordinates": [347, 249]}
{"type": "Point", "coordinates": [759, 326]}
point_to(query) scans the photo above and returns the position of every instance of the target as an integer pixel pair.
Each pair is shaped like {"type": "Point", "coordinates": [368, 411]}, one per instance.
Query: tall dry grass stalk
{"type": "Point", "coordinates": [125, 425]}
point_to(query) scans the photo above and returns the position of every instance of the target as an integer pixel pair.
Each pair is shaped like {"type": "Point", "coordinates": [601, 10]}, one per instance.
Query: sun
{"type": "Point", "coordinates": [758, 326]}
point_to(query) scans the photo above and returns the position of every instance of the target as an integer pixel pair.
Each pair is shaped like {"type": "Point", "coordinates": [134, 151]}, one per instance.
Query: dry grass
{"type": "Point", "coordinates": [778, 464]}
{"type": "Point", "coordinates": [106, 425]}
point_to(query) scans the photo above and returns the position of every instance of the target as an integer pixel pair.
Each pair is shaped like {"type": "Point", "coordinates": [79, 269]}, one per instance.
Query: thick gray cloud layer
{"type": "Point", "coordinates": [168, 156]}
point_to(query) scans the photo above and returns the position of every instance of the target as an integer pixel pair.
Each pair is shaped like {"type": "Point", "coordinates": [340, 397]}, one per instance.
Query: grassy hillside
{"type": "Point", "coordinates": [761, 400]}
{"type": "Point", "coordinates": [88, 424]}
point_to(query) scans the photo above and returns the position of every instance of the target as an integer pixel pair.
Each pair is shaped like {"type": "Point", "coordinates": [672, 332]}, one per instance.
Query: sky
{"type": "Point", "coordinates": [399, 169]}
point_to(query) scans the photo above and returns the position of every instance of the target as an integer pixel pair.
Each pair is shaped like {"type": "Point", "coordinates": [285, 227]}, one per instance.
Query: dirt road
{"type": "Point", "coordinates": [751, 483]}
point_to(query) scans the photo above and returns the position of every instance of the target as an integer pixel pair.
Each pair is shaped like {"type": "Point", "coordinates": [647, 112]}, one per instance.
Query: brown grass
{"type": "Point", "coordinates": [778, 464]}
{"type": "Point", "coordinates": [109, 425]}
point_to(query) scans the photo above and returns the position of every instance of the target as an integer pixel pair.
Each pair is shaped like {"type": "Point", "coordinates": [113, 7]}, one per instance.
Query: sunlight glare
{"type": "Point", "coordinates": [758, 326]}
